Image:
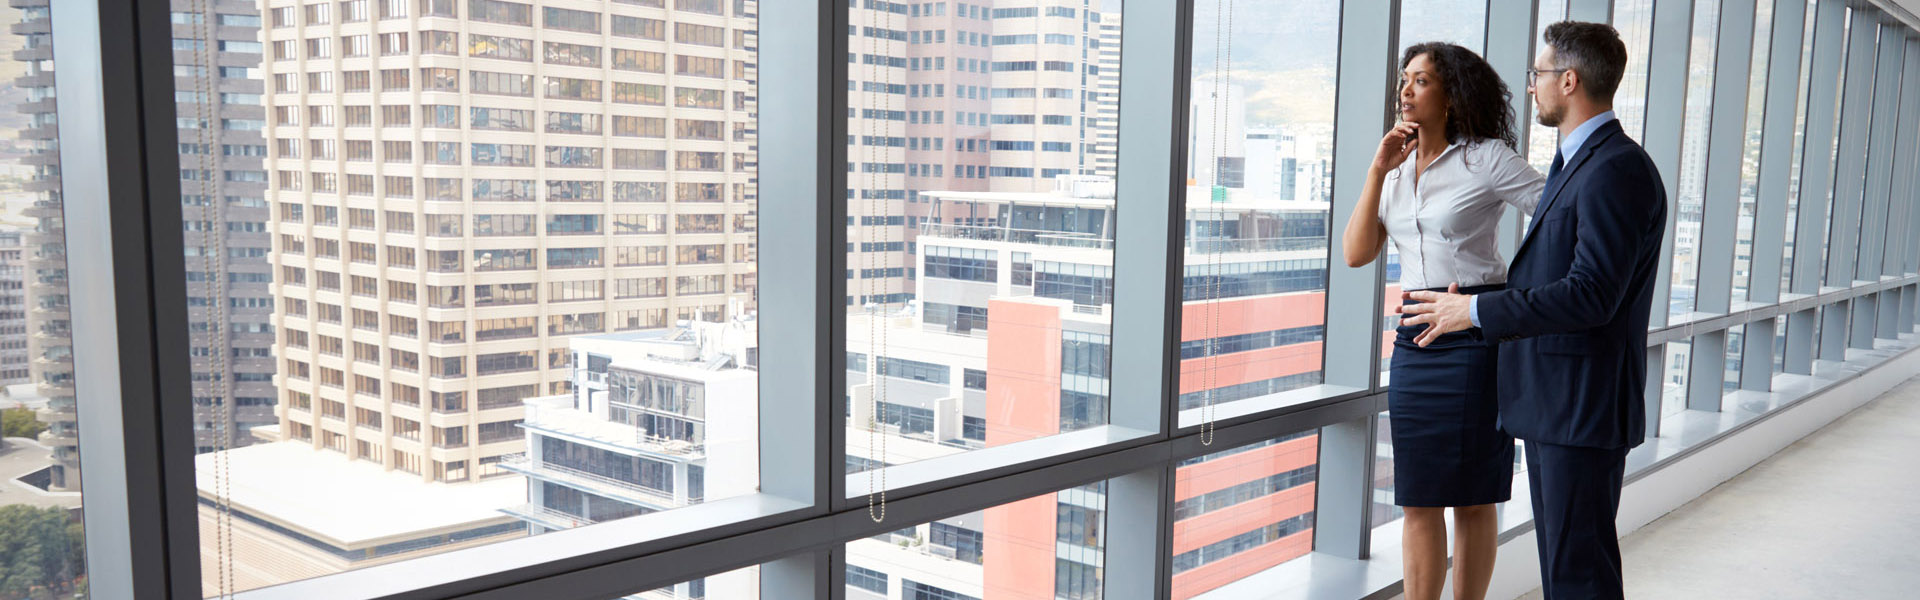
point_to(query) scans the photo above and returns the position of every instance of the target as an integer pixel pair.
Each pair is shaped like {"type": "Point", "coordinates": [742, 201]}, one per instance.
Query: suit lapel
{"type": "Point", "coordinates": [1586, 151]}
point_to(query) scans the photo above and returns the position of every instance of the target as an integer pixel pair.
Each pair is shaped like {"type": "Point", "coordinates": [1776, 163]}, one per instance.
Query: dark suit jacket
{"type": "Point", "coordinates": [1573, 320]}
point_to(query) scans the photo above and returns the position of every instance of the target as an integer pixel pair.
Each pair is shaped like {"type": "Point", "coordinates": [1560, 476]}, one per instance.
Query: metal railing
{"type": "Point", "coordinates": [1017, 236]}
{"type": "Point", "coordinates": [523, 464]}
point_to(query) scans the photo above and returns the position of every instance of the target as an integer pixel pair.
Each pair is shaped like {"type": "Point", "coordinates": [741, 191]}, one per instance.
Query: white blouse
{"type": "Point", "coordinates": [1447, 226]}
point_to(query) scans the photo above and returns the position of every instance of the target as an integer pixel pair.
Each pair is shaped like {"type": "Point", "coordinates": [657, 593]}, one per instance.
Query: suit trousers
{"type": "Point", "coordinates": [1576, 496]}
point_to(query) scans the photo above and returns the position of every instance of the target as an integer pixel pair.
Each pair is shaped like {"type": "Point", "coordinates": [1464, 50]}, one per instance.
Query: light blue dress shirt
{"type": "Point", "coordinates": [1568, 147]}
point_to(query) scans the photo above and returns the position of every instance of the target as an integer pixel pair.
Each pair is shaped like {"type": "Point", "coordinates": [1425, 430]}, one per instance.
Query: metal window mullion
{"type": "Point", "coordinates": [1849, 180]}
{"type": "Point", "coordinates": [1872, 245]}
{"type": "Point", "coordinates": [1720, 210]}
{"type": "Point", "coordinates": [1667, 113]}
{"type": "Point", "coordinates": [1770, 202]}
{"type": "Point", "coordinates": [1899, 196]}
{"type": "Point", "coordinates": [1592, 11]}
{"type": "Point", "coordinates": [1149, 266]}
{"type": "Point", "coordinates": [1672, 35]}
{"type": "Point", "coordinates": [1148, 245]}
{"type": "Point", "coordinates": [1908, 260]}
{"type": "Point", "coordinates": [795, 265]}
{"type": "Point", "coordinates": [127, 289]}
{"type": "Point", "coordinates": [1884, 144]}
{"type": "Point", "coordinates": [1364, 92]}
{"type": "Point", "coordinates": [1816, 176]}
{"type": "Point", "coordinates": [1510, 49]}
{"type": "Point", "coordinates": [1138, 546]}
{"type": "Point", "coordinates": [838, 194]}
{"type": "Point", "coordinates": [807, 576]}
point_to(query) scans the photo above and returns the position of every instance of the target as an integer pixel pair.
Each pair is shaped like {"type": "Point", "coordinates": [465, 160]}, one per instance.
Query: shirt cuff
{"type": "Point", "coordinates": [1473, 309]}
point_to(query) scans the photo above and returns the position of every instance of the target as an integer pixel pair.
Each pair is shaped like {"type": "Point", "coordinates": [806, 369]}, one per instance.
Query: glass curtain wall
{"type": "Point", "coordinates": [470, 283]}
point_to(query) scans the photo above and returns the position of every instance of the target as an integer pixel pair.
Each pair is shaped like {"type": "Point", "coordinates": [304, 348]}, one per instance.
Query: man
{"type": "Point", "coordinates": [1574, 315]}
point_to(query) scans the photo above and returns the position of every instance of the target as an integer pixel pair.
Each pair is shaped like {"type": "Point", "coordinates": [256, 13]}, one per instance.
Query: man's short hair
{"type": "Point", "coordinates": [1593, 50]}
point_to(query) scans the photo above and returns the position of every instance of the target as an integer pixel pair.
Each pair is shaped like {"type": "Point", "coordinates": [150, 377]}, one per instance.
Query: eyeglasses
{"type": "Point", "coordinates": [1534, 74]}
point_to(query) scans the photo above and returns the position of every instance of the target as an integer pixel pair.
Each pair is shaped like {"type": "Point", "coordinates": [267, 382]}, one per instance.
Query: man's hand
{"type": "Point", "coordinates": [1443, 313]}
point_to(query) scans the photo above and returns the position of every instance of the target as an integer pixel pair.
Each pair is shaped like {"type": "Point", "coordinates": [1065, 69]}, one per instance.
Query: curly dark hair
{"type": "Point", "coordinates": [1479, 105]}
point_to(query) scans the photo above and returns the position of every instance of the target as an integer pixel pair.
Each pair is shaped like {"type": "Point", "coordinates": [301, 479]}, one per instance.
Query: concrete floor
{"type": "Point", "coordinates": [1835, 515]}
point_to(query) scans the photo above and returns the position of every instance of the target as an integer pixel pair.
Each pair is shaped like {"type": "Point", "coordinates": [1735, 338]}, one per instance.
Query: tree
{"type": "Point", "coordinates": [20, 423]}
{"type": "Point", "coordinates": [41, 552]}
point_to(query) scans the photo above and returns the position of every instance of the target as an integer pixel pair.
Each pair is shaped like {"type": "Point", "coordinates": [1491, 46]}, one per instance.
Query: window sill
{"type": "Point", "coordinates": [463, 571]}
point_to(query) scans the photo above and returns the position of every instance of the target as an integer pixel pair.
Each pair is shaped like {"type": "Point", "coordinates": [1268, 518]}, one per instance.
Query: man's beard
{"type": "Point", "coordinates": [1549, 117]}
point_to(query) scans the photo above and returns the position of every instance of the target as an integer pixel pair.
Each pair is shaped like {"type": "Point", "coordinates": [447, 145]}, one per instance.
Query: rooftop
{"type": "Point", "coordinates": [346, 502]}
{"type": "Point", "coordinates": [21, 457]}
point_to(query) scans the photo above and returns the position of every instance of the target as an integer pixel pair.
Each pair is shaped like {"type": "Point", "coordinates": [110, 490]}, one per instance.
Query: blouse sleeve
{"type": "Point", "coordinates": [1388, 185]}
{"type": "Point", "coordinates": [1514, 181]}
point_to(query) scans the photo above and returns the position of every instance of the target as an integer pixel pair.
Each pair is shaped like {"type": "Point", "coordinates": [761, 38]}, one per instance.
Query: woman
{"type": "Point", "coordinates": [1442, 211]}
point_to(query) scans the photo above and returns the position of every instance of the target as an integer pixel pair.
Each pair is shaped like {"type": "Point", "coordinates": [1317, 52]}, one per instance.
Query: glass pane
{"type": "Point", "coordinates": [1384, 510]}
{"type": "Point", "coordinates": [1799, 148]}
{"type": "Point", "coordinates": [1736, 338]}
{"type": "Point", "coordinates": [1241, 511]}
{"type": "Point", "coordinates": [1634, 19]}
{"type": "Point", "coordinates": [1542, 141]}
{"type": "Point", "coordinates": [409, 338]}
{"type": "Point", "coordinates": [1258, 192]}
{"type": "Point", "coordinates": [1693, 157]}
{"type": "Point", "coordinates": [1047, 546]}
{"type": "Point", "coordinates": [1779, 345]}
{"type": "Point", "coordinates": [980, 216]}
{"type": "Point", "coordinates": [1673, 397]}
{"type": "Point", "coordinates": [40, 505]}
{"type": "Point", "coordinates": [1451, 21]}
{"type": "Point", "coordinates": [1750, 156]}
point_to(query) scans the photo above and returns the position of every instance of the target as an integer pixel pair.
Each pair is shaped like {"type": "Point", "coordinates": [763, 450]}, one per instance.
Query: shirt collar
{"type": "Point", "coordinates": [1578, 138]}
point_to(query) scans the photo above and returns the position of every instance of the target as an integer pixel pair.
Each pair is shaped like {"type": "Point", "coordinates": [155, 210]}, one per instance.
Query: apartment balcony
{"type": "Point", "coordinates": [602, 485]}
{"type": "Point", "coordinates": [32, 54]}
{"type": "Point", "coordinates": [66, 436]}
{"type": "Point", "coordinates": [43, 79]}
{"type": "Point", "coordinates": [43, 209]}
{"type": "Point", "coordinates": [1058, 239]}
{"type": "Point", "coordinates": [555, 416]}
{"type": "Point", "coordinates": [546, 517]}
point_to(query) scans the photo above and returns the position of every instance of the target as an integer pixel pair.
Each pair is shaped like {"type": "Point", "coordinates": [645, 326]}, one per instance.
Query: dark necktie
{"type": "Point", "coordinates": [1553, 172]}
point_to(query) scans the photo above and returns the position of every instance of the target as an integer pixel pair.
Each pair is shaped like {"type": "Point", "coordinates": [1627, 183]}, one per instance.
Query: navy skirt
{"type": "Point", "coordinates": [1448, 449]}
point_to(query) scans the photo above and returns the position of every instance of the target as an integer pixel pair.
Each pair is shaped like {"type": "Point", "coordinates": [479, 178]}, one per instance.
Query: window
{"type": "Point", "coordinates": [571, 20]}
{"type": "Point", "coordinates": [1228, 265]}
{"type": "Point", "coordinates": [498, 11]}
{"type": "Point", "coordinates": [1271, 478]}
{"type": "Point", "coordinates": [501, 119]}
{"type": "Point", "coordinates": [499, 47]}
{"type": "Point", "coordinates": [1690, 205]}
{"type": "Point", "coordinates": [1073, 569]}
{"type": "Point", "coordinates": [501, 84]}
{"type": "Point", "coordinates": [639, 60]}
{"type": "Point", "coordinates": [573, 55]}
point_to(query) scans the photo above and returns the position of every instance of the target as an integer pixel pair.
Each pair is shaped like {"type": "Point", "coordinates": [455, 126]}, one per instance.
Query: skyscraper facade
{"type": "Point", "coordinates": [13, 310]}
{"type": "Point", "coordinates": [49, 318]}
{"type": "Point", "coordinates": [216, 53]}
{"type": "Point", "coordinates": [459, 187]}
